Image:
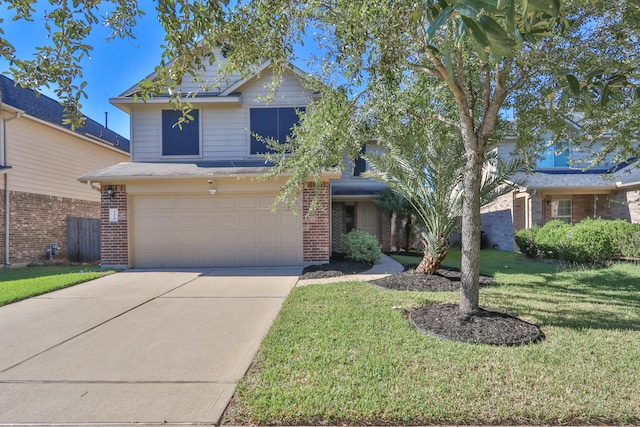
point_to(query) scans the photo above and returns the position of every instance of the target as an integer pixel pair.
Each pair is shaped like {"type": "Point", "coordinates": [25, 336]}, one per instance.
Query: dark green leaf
{"type": "Point", "coordinates": [574, 85]}
{"type": "Point", "coordinates": [440, 20]}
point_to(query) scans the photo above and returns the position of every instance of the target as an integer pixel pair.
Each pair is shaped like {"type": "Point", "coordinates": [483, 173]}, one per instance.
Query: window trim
{"type": "Point", "coordinates": [182, 156]}
{"type": "Point", "coordinates": [256, 107]}
{"type": "Point", "coordinates": [564, 218]}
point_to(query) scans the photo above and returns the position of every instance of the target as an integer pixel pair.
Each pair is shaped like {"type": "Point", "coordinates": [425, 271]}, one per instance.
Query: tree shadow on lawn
{"type": "Point", "coordinates": [583, 299]}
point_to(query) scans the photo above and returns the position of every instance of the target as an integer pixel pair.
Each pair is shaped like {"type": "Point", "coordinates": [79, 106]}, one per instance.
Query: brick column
{"type": "Point", "coordinates": [384, 219]}
{"type": "Point", "coordinates": [114, 246]}
{"type": "Point", "coordinates": [315, 228]}
{"type": "Point", "coordinates": [337, 226]}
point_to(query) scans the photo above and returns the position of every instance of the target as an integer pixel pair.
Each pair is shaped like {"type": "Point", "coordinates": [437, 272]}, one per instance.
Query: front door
{"type": "Point", "coordinates": [367, 218]}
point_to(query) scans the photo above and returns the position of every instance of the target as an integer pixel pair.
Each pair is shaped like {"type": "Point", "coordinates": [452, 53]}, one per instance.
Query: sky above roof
{"type": "Point", "coordinates": [112, 68]}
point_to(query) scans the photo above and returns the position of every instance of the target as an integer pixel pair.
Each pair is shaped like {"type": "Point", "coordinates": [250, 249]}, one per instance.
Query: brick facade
{"type": "Point", "coordinates": [316, 244]}
{"type": "Point", "coordinates": [337, 225]}
{"type": "Point", "coordinates": [114, 244]}
{"type": "Point", "coordinates": [384, 225]}
{"type": "Point", "coordinates": [36, 221]}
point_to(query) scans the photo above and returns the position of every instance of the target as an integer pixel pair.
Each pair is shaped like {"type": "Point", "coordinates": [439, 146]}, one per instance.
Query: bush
{"type": "Point", "coordinates": [361, 246]}
{"type": "Point", "coordinates": [552, 239]}
{"type": "Point", "coordinates": [591, 241]}
{"type": "Point", "coordinates": [626, 238]}
{"type": "Point", "coordinates": [526, 241]}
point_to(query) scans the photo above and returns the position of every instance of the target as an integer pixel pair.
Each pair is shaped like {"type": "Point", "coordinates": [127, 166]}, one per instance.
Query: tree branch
{"type": "Point", "coordinates": [435, 117]}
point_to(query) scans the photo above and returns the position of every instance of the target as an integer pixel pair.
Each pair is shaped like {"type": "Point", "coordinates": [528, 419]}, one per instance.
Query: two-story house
{"type": "Point", "coordinates": [191, 197]}
{"type": "Point", "coordinates": [561, 188]}
{"type": "Point", "coordinates": [40, 160]}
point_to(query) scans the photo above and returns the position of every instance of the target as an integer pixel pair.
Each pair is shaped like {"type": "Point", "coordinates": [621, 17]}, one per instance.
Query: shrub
{"type": "Point", "coordinates": [591, 241]}
{"type": "Point", "coordinates": [626, 238]}
{"type": "Point", "coordinates": [361, 246]}
{"type": "Point", "coordinates": [526, 241]}
{"type": "Point", "coordinates": [552, 239]}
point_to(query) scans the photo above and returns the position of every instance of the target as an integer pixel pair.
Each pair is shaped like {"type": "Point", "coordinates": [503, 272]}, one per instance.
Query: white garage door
{"type": "Point", "coordinates": [213, 231]}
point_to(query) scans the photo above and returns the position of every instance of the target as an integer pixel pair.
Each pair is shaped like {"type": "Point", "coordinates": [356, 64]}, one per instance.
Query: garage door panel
{"type": "Point", "coordinates": [205, 231]}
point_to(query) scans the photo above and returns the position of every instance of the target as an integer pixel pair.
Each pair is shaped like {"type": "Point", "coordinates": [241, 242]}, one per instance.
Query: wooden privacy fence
{"type": "Point", "coordinates": [83, 239]}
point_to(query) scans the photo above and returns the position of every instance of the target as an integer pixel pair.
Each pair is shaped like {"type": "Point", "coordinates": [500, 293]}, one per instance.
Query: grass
{"type": "Point", "coordinates": [22, 283]}
{"type": "Point", "coordinates": [345, 353]}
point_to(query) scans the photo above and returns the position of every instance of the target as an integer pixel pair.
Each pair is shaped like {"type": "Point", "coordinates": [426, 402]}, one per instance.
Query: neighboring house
{"type": "Point", "coordinates": [40, 160]}
{"type": "Point", "coordinates": [559, 189]}
{"type": "Point", "coordinates": [192, 198]}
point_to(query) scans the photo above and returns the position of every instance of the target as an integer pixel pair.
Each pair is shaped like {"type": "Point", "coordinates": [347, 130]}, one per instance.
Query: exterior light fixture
{"type": "Point", "coordinates": [110, 192]}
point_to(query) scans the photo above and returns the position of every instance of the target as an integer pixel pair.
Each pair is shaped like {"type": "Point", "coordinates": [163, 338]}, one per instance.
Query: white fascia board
{"type": "Point", "coordinates": [125, 103]}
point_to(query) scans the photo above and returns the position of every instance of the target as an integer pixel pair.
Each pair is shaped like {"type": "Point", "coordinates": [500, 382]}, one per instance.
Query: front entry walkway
{"type": "Point", "coordinates": [136, 347]}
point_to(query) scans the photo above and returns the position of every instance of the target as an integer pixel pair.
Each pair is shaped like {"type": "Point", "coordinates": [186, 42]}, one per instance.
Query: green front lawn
{"type": "Point", "coordinates": [345, 353]}
{"type": "Point", "coordinates": [21, 283]}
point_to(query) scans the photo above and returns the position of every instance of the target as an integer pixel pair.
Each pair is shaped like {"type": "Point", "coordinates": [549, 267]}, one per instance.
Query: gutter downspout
{"type": "Point", "coordinates": [3, 161]}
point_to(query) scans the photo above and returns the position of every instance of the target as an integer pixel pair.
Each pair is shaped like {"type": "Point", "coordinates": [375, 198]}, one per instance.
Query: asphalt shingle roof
{"type": "Point", "coordinates": [593, 178]}
{"type": "Point", "coordinates": [49, 110]}
{"type": "Point", "coordinates": [179, 169]}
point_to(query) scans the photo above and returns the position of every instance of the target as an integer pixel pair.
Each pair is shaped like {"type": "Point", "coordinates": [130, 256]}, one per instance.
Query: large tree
{"type": "Point", "coordinates": [546, 59]}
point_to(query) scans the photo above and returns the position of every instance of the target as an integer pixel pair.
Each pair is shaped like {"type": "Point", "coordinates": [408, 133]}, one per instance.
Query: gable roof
{"type": "Point", "coordinates": [51, 111]}
{"type": "Point", "coordinates": [225, 94]}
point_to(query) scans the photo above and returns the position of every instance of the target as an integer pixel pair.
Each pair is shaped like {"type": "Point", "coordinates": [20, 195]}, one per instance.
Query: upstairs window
{"type": "Point", "coordinates": [562, 210]}
{"type": "Point", "coordinates": [360, 165]}
{"type": "Point", "coordinates": [554, 157]}
{"type": "Point", "coordinates": [271, 123]}
{"type": "Point", "coordinates": [183, 140]}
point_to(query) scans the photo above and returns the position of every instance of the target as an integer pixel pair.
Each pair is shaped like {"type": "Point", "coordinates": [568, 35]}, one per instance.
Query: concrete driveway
{"type": "Point", "coordinates": [136, 347]}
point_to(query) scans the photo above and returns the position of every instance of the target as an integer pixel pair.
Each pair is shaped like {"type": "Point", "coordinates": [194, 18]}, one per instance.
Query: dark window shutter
{"type": "Point", "coordinates": [273, 123]}
{"type": "Point", "coordinates": [360, 164]}
{"type": "Point", "coordinates": [180, 142]}
{"type": "Point", "coordinates": [264, 122]}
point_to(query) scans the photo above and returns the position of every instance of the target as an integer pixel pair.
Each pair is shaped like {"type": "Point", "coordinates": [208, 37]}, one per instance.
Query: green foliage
{"type": "Point", "coordinates": [626, 238]}
{"type": "Point", "coordinates": [552, 239]}
{"type": "Point", "coordinates": [361, 246]}
{"type": "Point", "coordinates": [526, 241]}
{"type": "Point", "coordinates": [592, 241]}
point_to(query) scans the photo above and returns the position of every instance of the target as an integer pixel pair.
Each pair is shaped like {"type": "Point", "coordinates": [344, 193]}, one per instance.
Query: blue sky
{"type": "Point", "coordinates": [113, 67]}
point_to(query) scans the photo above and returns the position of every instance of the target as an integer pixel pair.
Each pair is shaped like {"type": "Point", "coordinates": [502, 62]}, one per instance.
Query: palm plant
{"type": "Point", "coordinates": [401, 211]}
{"type": "Point", "coordinates": [428, 174]}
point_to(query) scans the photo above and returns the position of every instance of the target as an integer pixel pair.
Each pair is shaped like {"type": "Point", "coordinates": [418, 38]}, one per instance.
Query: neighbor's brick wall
{"type": "Point", "coordinates": [497, 222]}
{"type": "Point", "coordinates": [37, 220]}
{"type": "Point", "coordinates": [337, 226]}
{"type": "Point", "coordinates": [622, 204]}
{"type": "Point", "coordinates": [315, 228]}
{"type": "Point", "coordinates": [114, 246]}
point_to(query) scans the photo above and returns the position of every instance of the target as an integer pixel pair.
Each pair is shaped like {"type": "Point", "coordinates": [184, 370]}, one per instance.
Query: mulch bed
{"type": "Point", "coordinates": [445, 280]}
{"type": "Point", "coordinates": [481, 327]}
{"type": "Point", "coordinates": [337, 266]}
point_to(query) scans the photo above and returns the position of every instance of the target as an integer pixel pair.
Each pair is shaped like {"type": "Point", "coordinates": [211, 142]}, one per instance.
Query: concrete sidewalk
{"type": "Point", "coordinates": [385, 267]}
{"type": "Point", "coordinates": [149, 347]}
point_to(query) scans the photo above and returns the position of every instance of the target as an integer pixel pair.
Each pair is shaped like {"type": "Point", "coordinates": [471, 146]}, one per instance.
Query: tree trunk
{"type": "Point", "coordinates": [397, 230]}
{"type": "Point", "coordinates": [430, 265]}
{"type": "Point", "coordinates": [407, 234]}
{"type": "Point", "coordinates": [470, 267]}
